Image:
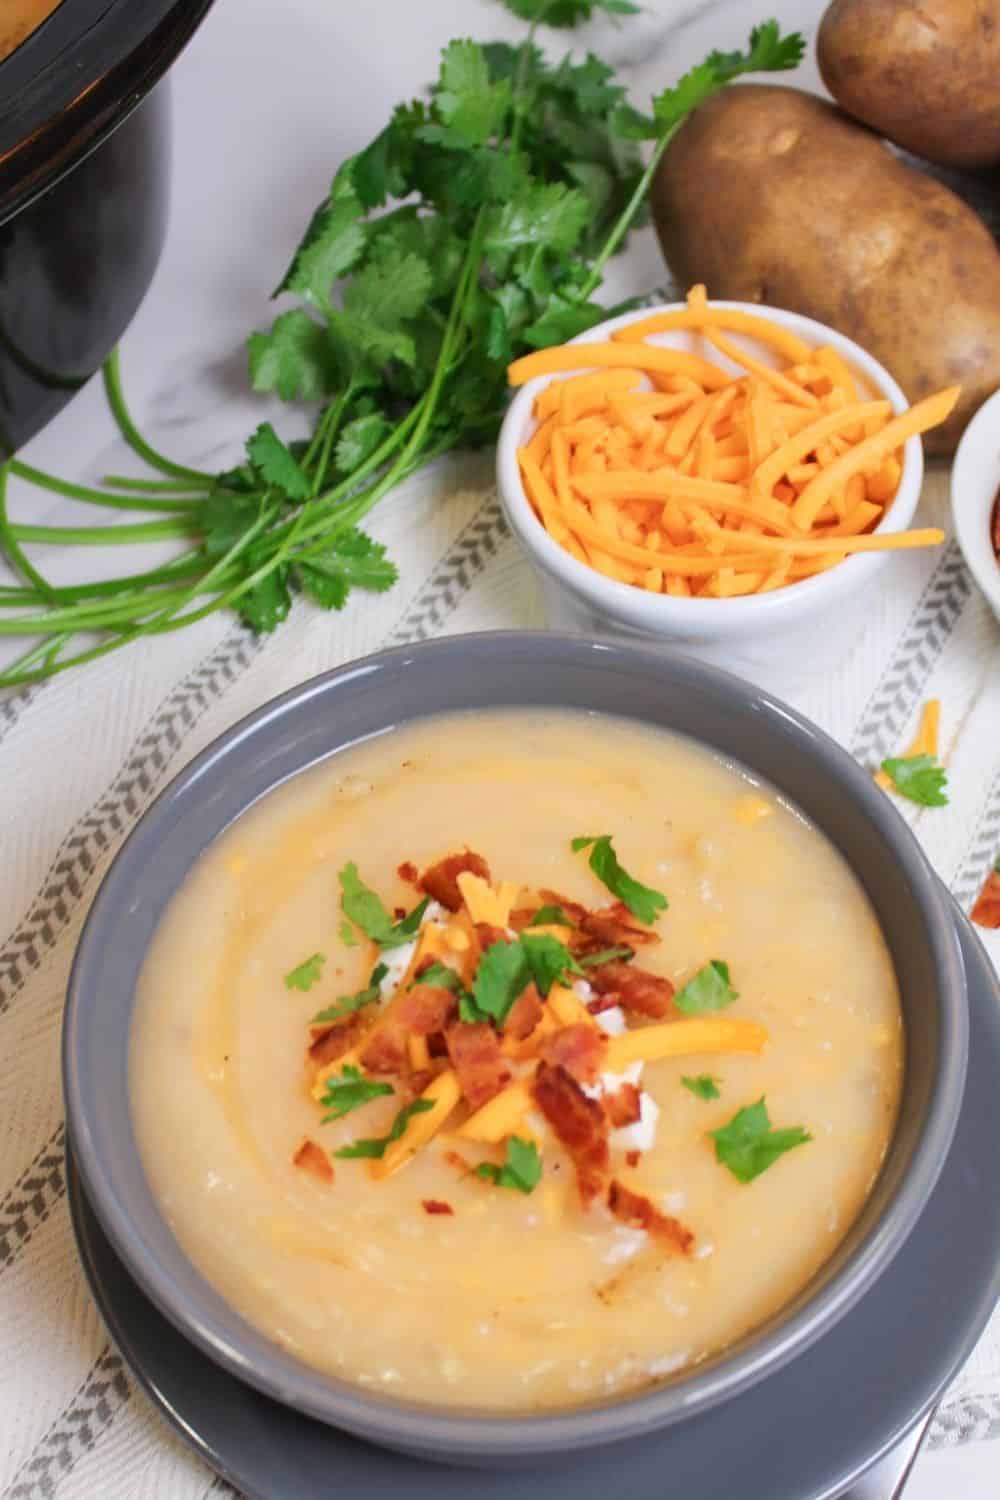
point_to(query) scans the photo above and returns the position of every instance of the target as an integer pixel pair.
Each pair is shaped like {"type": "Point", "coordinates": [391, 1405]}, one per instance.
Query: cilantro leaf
{"type": "Point", "coordinates": [521, 1171]}
{"type": "Point", "coordinates": [566, 13]}
{"type": "Point", "coordinates": [768, 52]}
{"type": "Point", "coordinates": [704, 1086]}
{"type": "Point", "coordinates": [442, 978]}
{"type": "Point", "coordinates": [550, 915]}
{"type": "Point", "coordinates": [747, 1145]}
{"type": "Point", "coordinates": [918, 777]}
{"type": "Point", "coordinates": [332, 245]}
{"type": "Point", "coordinates": [466, 100]}
{"type": "Point", "coordinates": [352, 560]}
{"type": "Point", "coordinates": [295, 358]}
{"type": "Point", "coordinates": [376, 1146]}
{"type": "Point", "coordinates": [642, 901]}
{"type": "Point", "coordinates": [306, 974]}
{"type": "Point", "coordinates": [359, 440]}
{"type": "Point", "coordinates": [563, 320]}
{"type": "Point", "coordinates": [606, 956]}
{"type": "Point", "coordinates": [348, 1090]}
{"type": "Point", "coordinates": [549, 960]}
{"type": "Point", "coordinates": [707, 990]}
{"type": "Point", "coordinates": [347, 1004]}
{"type": "Point", "coordinates": [346, 934]}
{"type": "Point", "coordinates": [365, 909]}
{"type": "Point", "coordinates": [376, 172]}
{"type": "Point", "coordinates": [548, 216]}
{"type": "Point", "coordinates": [276, 465]}
{"type": "Point", "coordinates": [266, 604]}
{"type": "Point", "coordinates": [502, 974]}
{"type": "Point", "coordinates": [392, 287]}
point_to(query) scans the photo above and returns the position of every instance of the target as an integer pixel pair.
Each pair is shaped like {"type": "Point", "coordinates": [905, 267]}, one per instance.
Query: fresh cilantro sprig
{"type": "Point", "coordinates": [441, 977]}
{"type": "Point", "coordinates": [709, 989]}
{"type": "Point", "coordinates": [376, 1146]}
{"type": "Point", "coordinates": [919, 778]}
{"type": "Point", "coordinates": [365, 909]}
{"type": "Point", "coordinates": [348, 1090]}
{"type": "Point", "coordinates": [506, 969]}
{"type": "Point", "coordinates": [347, 1004]}
{"type": "Point", "coordinates": [522, 1169]}
{"type": "Point", "coordinates": [642, 901]}
{"type": "Point", "coordinates": [306, 974]}
{"type": "Point", "coordinates": [474, 227]}
{"type": "Point", "coordinates": [748, 1145]}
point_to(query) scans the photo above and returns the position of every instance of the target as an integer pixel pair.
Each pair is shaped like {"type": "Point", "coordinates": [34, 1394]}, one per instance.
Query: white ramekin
{"type": "Point", "coordinates": [768, 637]}
{"type": "Point", "coordinates": [975, 481]}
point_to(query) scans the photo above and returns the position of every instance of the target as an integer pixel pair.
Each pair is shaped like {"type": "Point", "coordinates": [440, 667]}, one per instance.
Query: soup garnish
{"type": "Point", "coordinates": [508, 1004]}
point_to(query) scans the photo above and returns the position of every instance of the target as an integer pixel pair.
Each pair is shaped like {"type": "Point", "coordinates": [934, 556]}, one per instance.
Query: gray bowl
{"type": "Point", "coordinates": [487, 671]}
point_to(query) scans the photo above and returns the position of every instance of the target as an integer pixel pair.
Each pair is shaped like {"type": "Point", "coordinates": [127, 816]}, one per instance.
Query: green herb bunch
{"type": "Point", "coordinates": [476, 226]}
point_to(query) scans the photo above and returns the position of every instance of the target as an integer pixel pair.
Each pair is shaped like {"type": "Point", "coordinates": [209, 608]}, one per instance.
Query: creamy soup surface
{"type": "Point", "coordinates": [513, 1301]}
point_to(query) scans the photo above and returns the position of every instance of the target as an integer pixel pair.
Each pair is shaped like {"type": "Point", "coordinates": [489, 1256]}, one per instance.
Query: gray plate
{"type": "Point", "coordinates": [805, 1433]}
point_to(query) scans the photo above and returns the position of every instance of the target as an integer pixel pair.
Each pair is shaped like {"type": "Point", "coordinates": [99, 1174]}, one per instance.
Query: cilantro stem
{"type": "Point", "coordinates": [156, 486]}
{"type": "Point", "coordinates": [628, 213]}
{"type": "Point", "coordinates": [102, 536]}
{"type": "Point", "coordinates": [13, 548]}
{"type": "Point", "coordinates": [132, 435]}
{"type": "Point", "coordinates": [94, 497]}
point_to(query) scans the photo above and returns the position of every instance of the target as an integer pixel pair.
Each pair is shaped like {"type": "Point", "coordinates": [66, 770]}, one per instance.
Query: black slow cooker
{"type": "Point", "coordinates": [84, 176]}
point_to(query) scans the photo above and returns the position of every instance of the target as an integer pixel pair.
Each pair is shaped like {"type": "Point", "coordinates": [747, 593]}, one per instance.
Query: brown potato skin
{"type": "Point", "coordinates": [771, 195]}
{"type": "Point", "coordinates": [925, 75]}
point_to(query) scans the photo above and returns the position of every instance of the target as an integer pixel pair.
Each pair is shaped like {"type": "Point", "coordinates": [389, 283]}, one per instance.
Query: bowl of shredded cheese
{"type": "Point", "coordinates": [711, 474]}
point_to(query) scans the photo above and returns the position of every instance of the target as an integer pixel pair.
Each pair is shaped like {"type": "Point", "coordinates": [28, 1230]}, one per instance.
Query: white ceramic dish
{"type": "Point", "coordinates": [785, 628]}
{"type": "Point", "coordinates": [975, 481]}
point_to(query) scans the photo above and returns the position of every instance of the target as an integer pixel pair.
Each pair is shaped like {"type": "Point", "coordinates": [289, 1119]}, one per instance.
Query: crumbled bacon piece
{"type": "Point", "coordinates": [603, 1002]}
{"type": "Point", "coordinates": [330, 1042]}
{"type": "Point", "coordinates": [624, 1106]}
{"type": "Point", "coordinates": [408, 871]}
{"type": "Point", "coordinates": [436, 1206]}
{"type": "Point", "coordinates": [440, 882]}
{"type": "Point", "coordinates": [386, 1051]}
{"type": "Point", "coordinates": [638, 1213]}
{"type": "Point", "coordinates": [986, 912]}
{"type": "Point", "coordinates": [579, 1123]}
{"type": "Point", "coordinates": [579, 1049]}
{"type": "Point", "coordinates": [632, 1158]}
{"type": "Point", "coordinates": [474, 1049]}
{"type": "Point", "coordinates": [457, 1160]}
{"type": "Point", "coordinates": [426, 1008]}
{"type": "Point", "coordinates": [314, 1160]}
{"type": "Point", "coordinates": [436, 1044]}
{"type": "Point", "coordinates": [637, 990]}
{"type": "Point", "coordinates": [573, 909]}
{"type": "Point", "coordinates": [524, 1015]}
{"type": "Point", "coordinates": [616, 927]}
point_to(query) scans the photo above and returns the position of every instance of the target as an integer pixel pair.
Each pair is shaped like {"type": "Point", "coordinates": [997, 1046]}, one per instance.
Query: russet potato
{"type": "Point", "coordinates": [926, 76]}
{"type": "Point", "coordinates": [771, 195]}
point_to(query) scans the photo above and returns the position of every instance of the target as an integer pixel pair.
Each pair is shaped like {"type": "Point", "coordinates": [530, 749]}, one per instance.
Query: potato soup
{"type": "Point", "coordinates": [514, 1060]}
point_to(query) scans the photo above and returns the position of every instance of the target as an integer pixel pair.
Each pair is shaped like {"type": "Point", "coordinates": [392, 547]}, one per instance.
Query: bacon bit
{"type": "Point", "coordinates": [330, 1042]}
{"type": "Point", "coordinates": [648, 994]}
{"type": "Point", "coordinates": [408, 871]}
{"type": "Point", "coordinates": [440, 882]}
{"type": "Point", "coordinates": [386, 1052]}
{"type": "Point", "coordinates": [436, 1045]}
{"type": "Point", "coordinates": [573, 909]}
{"type": "Point", "coordinates": [632, 1158]}
{"type": "Point", "coordinates": [474, 1049]}
{"type": "Point", "coordinates": [579, 1049]}
{"type": "Point", "coordinates": [603, 1002]}
{"type": "Point", "coordinates": [638, 1213]}
{"type": "Point", "coordinates": [314, 1160]}
{"type": "Point", "coordinates": [579, 1123]}
{"type": "Point", "coordinates": [986, 912]}
{"type": "Point", "coordinates": [524, 1015]}
{"type": "Point", "coordinates": [624, 1107]}
{"type": "Point", "coordinates": [436, 1206]}
{"type": "Point", "coordinates": [616, 927]}
{"type": "Point", "coordinates": [426, 1008]}
{"type": "Point", "coordinates": [489, 935]}
{"type": "Point", "coordinates": [523, 916]}
{"type": "Point", "coordinates": [399, 912]}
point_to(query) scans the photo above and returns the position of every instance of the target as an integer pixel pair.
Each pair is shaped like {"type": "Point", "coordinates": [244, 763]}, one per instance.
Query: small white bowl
{"type": "Point", "coordinates": [975, 481]}
{"type": "Point", "coordinates": [752, 634]}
